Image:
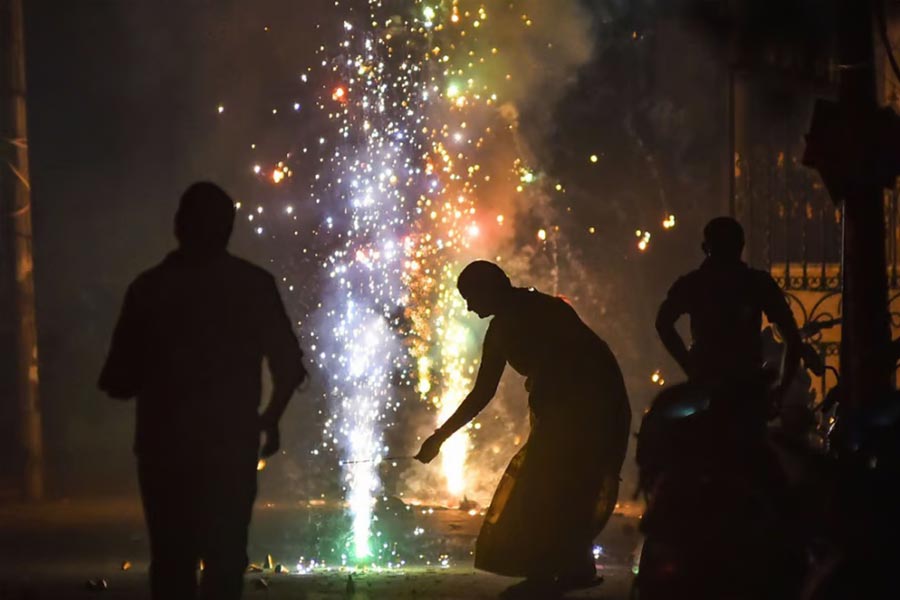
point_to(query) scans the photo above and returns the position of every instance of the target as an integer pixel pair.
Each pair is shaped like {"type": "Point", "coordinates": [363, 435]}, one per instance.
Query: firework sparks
{"type": "Point", "coordinates": [413, 100]}
{"type": "Point", "coordinates": [643, 239]}
{"type": "Point", "coordinates": [363, 270]}
{"type": "Point", "coordinates": [669, 222]}
{"type": "Point", "coordinates": [407, 95]}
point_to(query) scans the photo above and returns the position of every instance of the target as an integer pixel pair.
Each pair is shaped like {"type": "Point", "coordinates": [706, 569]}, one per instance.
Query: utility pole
{"type": "Point", "coordinates": [15, 220]}
{"type": "Point", "coordinates": [855, 145]}
{"type": "Point", "coordinates": [852, 143]}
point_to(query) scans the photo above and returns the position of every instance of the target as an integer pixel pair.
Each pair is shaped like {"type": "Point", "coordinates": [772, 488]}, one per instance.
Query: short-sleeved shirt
{"type": "Point", "coordinates": [189, 344]}
{"type": "Point", "coordinates": [725, 303]}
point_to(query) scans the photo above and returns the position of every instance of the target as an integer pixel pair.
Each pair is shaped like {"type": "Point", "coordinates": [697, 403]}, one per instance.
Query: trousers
{"type": "Point", "coordinates": [197, 510]}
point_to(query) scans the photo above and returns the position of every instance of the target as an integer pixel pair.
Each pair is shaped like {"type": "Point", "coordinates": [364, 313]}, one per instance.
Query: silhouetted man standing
{"type": "Point", "coordinates": [189, 345]}
{"type": "Point", "coordinates": [725, 300]}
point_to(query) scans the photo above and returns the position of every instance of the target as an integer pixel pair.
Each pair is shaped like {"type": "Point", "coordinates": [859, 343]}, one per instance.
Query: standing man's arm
{"type": "Point", "coordinates": [121, 377]}
{"type": "Point", "coordinates": [669, 312]}
{"type": "Point", "coordinates": [285, 364]}
{"type": "Point", "coordinates": [779, 314]}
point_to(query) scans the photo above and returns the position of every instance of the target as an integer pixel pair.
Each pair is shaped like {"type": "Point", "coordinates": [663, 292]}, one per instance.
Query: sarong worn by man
{"type": "Point", "coordinates": [560, 489]}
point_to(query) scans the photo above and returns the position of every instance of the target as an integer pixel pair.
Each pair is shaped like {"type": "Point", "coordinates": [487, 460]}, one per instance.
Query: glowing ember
{"type": "Point", "coordinates": [643, 239]}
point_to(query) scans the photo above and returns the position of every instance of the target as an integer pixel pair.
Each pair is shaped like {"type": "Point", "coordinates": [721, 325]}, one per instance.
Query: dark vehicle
{"type": "Point", "coordinates": [802, 508]}
{"type": "Point", "coordinates": [855, 552]}
{"type": "Point", "coordinates": [717, 523]}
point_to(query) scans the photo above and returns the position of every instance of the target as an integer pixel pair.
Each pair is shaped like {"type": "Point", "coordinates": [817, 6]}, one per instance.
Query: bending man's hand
{"type": "Point", "coordinates": [430, 448]}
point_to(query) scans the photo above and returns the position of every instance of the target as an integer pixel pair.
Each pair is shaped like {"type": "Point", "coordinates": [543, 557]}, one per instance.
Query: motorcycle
{"type": "Point", "coordinates": [717, 523]}
{"type": "Point", "coordinates": [806, 508]}
{"type": "Point", "coordinates": [861, 520]}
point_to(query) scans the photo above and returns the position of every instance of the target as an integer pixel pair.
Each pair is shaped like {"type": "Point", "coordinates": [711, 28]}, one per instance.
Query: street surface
{"type": "Point", "coordinates": [57, 550]}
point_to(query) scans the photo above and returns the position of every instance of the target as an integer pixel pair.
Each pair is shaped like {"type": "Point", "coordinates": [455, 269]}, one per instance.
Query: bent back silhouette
{"type": "Point", "coordinates": [560, 489]}
{"type": "Point", "coordinates": [189, 345]}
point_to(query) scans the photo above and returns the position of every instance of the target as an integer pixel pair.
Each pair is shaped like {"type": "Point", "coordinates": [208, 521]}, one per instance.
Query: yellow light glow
{"type": "Point", "coordinates": [424, 368]}
{"type": "Point", "coordinates": [643, 239]}
{"type": "Point", "coordinates": [669, 222]}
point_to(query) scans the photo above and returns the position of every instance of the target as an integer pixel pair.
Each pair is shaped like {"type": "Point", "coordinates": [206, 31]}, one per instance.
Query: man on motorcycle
{"type": "Point", "coordinates": [725, 300]}
{"type": "Point", "coordinates": [734, 498]}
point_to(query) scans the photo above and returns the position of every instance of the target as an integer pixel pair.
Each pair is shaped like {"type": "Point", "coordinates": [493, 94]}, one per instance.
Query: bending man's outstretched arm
{"type": "Point", "coordinates": [492, 365]}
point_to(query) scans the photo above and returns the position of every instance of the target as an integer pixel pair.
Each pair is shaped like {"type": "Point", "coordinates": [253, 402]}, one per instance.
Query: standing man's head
{"type": "Point", "coordinates": [485, 286]}
{"type": "Point", "coordinates": [723, 239]}
{"type": "Point", "coordinates": [204, 219]}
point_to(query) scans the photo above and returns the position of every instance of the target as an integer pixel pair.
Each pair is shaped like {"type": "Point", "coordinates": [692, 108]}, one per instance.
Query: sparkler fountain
{"type": "Point", "coordinates": [372, 172]}
{"type": "Point", "coordinates": [407, 179]}
{"type": "Point", "coordinates": [406, 176]}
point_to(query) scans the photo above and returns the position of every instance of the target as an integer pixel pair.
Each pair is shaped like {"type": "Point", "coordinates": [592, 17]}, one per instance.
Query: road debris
{"type": "Point", "coordinates": [97, 585]}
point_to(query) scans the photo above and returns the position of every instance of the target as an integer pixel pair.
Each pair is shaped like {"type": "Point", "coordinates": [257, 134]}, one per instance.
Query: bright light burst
{"type": "Point", "coordinates": [402, 186]}
{"type": "Point", "coordinates": [370, 211]}
{"type": "Point", "coordinates": [643, 239]}
{"type": "Point", "coordinates": [669, 222]}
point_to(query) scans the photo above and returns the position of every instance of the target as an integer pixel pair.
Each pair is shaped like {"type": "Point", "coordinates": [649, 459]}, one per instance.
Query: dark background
{"type": "Point", "coordinates": [122, 116]}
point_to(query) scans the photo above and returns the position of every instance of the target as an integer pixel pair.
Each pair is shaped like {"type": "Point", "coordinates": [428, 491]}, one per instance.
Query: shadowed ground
{"type": "Point", "coordinates": [51, 551]}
